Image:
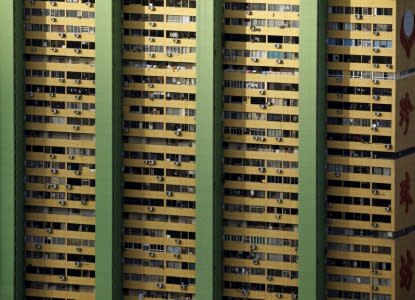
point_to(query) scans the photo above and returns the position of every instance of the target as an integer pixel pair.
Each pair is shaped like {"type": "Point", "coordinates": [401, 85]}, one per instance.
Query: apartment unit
{"type": "Point", "coordinates": [184, 149]}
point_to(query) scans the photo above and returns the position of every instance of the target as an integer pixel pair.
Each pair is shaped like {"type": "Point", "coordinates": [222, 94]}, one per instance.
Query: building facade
{"type": "Point", "coordinates": [188, 149]}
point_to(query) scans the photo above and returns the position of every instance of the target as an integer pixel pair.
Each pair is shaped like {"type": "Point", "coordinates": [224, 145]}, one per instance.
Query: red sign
{"type": "Point", "coordinates": [406, 108]}
{"type": "Point", "coordinates": [406, 270]}
{"type": "Point", "coordinates": [405, 194]}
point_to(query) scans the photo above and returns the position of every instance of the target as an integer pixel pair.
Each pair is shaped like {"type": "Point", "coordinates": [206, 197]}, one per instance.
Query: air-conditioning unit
{"type": "Point", "coordinates": [375, 81]}
{"type": "Point", "coordinates": [177, 241]}
{"type": "Point", "coordinates": [252, 247]}
{"type": "Point", "coordinates": [261, 169]}
{"type": "Point", "coordinates": [279, 61]}
{"type": "Point", "coordinates": [150, 208]}
{"type": "Point", "coordinates": [374, 224]}
{"type": "Point", "coordinates": [160, 285]}
{"type": "Point", "coordinates": [262, 138]}
{"type": "Point", "coordinates": [339, 79]}
{"type": "Point", "coordinates": [388, 146]}
{"type": "Point", "coordinates": [53, 156]}
{"type": "Point", "coordinates": [183, 286]}
{"type": "Point", "coordinates": [54, 186]}
{"type": "Point", "coordinates": [278, 216]}
{"type": "Point", "coordinates": [378, 113]}
{"type": "Point", "coordinates": [374, 127]}
{"type": "Point", "coordinates": [32, 1]}
{"type": "Point", "coordinates": [262, 92]}
{"type": "Point", "coordinates": [76, 127]}
{"type": "Point", "coordinates": [337, 174]}
{"type": "Point", "coordinates": [77, 172]}
{"type": "Point", "coordinates": [255, 261]}
{"type": "Point", "coordinates": [54, 50]}
{"type": "Point", "coordinates": [54, 111]}
{"type": "Point", "coordinates": [78, 249]}
{"type": "Point", "coordinates": [249, 13]}
{"type": "Point", "coordinates": [375, 288]}
{"type": "Point", "coordinates": [176, 41]}
{"type": "Point", "coordinates": [53, 19]}
{"type": "Point", "coordinates": [169, 193]}
{"type": "Point", "coordinates": [358, 16]}
{"type": "Point", "coordinates": [151, 254]}
{"type": "Point", "coordinates": [52, 94]}
{"type": "Point", "coordinates": [77, 35]}
{"type": "Point", "coordinates": [53, 3]}
{"type": "Point", "coordinates": [374, 271]}
{"type": "Point", "coordinates": [245, 292]}
{"type": "Point", "coordinates": [61, 202]}
{"type": "Point", "coordinates": [178, 132]}
{"type": "Point", "coordinates": [54, 171]}
{"type": "Point", "coordinates": [376, 50]}
{"type": "Point", "coordinates": [279, 139]}
{"type": "Point", "coordinates": [62, 277]}
{"type": "Point", "coordinates": [89, 4]}
{"type": "Point", "coordinates": [151, 7]}
{"type": "Point", "coordinates": [169, 54]}
{"type": "Point", "coordinates": [77, 112]}
{"type": "Point", "coordinates": [61, 79]}
{"type": "Point", "coordinates": [177, 163]}
{"type": "Point", "coordinates": [78, 97]}
{"type": "Point", "coordinates": [280, 171]}
{"type": "Point", "coordinates": [151, 162]}
{"type": "Point", "coordinates": [294, 296]}
{"type": "Point", "coordinates": [177, 255]}
{"type": "Point", "coordinates": [77, 264]}
{"type": "Point", "coordinates": [71, 157]}
{"type": "Point", "coordinates": [254, 59]}
{"type": "Point", "coordinates": [49, 230]}
{"type": "Point", "coordinates": [376, 33]}
{"type": "Point", "coordinates": [33, 49]}
{"type": "Point", "coordinates": [279, 200]}
{"type": "Point", "coordinates": [339, 95]}
{"type": "Point", "coordinates": [152, 24]}
{"type": "Point", "coordinates": [84, 202]}
{"type": "Point", "coordinates": [278, 46]}
{"type": "Point", "coordinates": [389, 66]}
{"type": "Point", "coordinates": [376, 65]}
{"type": "Point", "coordinates": [77, 81]}
{"type": "Point", "coordinates": [269, 278]}
{"type": "Point", "coordinates": [68, 186]}
{"type": "Point", "coordinates": [263, 106]}
{"type": "Point", "coordinates": [77, 50]}
{"type": "Point", "coordinates": [61, 34]}
{"type": "Point", "coordinates": [159, 178]}
{"type": "Point", "coordinates": [375, 192]}
{"type": "Point", "coordinates": [38, 246]}
{"type": "Point", "coordinates": [376, 97]}
{"type": "Point", "coordinates": [279, 295]}
{"type": "Point", "coordinates": [152, 55]}
{"type": "Point", "coordinates": [388, 209]}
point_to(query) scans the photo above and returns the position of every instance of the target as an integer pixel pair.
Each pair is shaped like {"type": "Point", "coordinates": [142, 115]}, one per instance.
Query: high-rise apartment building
{"type": "Point", "coordinates": [206, 149]}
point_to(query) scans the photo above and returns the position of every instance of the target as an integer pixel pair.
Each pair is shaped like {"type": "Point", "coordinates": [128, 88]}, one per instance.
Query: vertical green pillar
{"type": "Point", "coordinates": [312, 149]}
{"type": "Point", "coordinates": [11, 150]}
{"type": "Point", "coordinates": [108, 150]}
{"type": "Point", "coordinates": [209, 156]}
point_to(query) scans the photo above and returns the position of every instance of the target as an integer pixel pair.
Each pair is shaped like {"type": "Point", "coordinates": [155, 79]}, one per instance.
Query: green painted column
{"type": "Point", "coordinates": [108, 151]}
{"type": "Point", "coordinates": [312, 157]}
{"type": "Point", "coordinates": [209, 156]}
{"type": "Point", "coordinates": [11, 150]}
